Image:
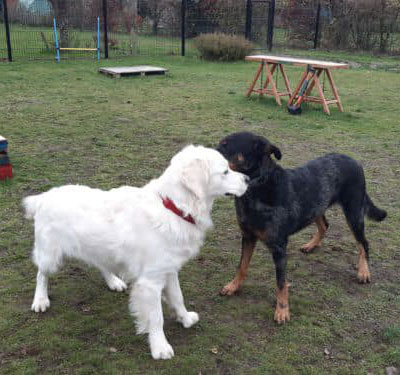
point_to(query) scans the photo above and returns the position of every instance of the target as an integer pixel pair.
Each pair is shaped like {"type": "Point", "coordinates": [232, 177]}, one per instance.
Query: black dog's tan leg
{"type": "Point", "coordinates": [322, 227]}
{"type": "Point", "coordinates": [363, 274]}
{"type": "Point", "coordinates": [282, 313]}
{"type": "Point", "coordinates": [354, 211]}
{"type": "Point", "coordinates": [248, 245]}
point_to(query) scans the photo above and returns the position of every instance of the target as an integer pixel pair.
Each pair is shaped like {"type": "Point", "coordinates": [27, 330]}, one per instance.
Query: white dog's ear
{"type": "Point", "coordinates": [195, 177]}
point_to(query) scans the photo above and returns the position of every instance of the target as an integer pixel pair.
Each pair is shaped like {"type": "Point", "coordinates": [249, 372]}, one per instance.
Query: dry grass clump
{"type": "Point", "coordinates": [223, 47]}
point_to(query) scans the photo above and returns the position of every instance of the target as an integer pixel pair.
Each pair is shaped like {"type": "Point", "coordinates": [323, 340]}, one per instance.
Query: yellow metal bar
{"type": "Point", "coordinates": [78, 49]}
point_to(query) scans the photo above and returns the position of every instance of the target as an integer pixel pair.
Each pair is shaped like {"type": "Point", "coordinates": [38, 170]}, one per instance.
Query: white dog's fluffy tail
{"type": "Point", "coordinates": [31, 205]}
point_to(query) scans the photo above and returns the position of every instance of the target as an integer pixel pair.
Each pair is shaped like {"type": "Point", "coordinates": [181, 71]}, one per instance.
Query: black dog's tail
{"type": "Point", "coordinates": [372, 211]}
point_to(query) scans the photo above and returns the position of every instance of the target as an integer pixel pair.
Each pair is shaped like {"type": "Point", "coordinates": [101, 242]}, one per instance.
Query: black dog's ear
{"type": "Point", "coordinates": [275, 150]}
{"type": "Point", "coordinates": [262, 146]}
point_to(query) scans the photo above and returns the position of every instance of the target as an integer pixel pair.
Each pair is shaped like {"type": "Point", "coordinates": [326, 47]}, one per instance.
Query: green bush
{"type": "Point", "coordinates": [223, 47]}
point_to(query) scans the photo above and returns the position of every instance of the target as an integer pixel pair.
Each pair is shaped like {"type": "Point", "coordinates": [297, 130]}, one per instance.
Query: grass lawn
{"type": "Point", "coordinates": [67, 124]}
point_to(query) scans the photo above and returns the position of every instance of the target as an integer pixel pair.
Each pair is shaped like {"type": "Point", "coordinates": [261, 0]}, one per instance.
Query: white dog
{"type": "Point", "coordinates": [143, 235]}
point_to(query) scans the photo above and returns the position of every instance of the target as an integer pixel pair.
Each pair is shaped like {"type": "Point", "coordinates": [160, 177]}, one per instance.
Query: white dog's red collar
{"type": "Point", "coordinates": [170, 205]}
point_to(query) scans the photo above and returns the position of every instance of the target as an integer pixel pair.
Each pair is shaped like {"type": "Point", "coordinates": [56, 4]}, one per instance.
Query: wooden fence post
{"type": "Point", "coordinates": [271, 16]}
{"type": "Point", "coordinates": [105, 28]}
{"type": "Point", "coordinates": [7, 25]}
{"type": "Point", "coordinates": [183, 27]}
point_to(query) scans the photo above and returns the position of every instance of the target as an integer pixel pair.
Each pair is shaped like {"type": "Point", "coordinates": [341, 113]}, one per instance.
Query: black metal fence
{"type": "Point", "coordinates": [155, 27]}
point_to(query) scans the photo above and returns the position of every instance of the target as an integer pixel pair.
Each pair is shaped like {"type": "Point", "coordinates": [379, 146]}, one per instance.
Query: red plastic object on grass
{"type": "Point", "coordinates": [5, 165]}
{"type": "Point", "coordinates": [5, 171]}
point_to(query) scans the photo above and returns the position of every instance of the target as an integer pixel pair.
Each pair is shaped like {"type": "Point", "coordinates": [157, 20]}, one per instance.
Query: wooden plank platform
{"type": "Point", "coordinates": [297, 62]}
{"type": "Point", "coordinates": [142, 70]}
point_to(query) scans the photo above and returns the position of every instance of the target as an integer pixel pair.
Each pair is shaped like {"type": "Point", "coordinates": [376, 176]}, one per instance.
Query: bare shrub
{"type": "Point", "coordinates": [223, 47]}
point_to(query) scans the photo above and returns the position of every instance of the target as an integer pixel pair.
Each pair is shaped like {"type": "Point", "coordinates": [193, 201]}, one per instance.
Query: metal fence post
{"type": "Point", "coordinates": [271, 17]}
{"type": "Point", "coordinates": [7, 25]}
{"type": "Point", "coordinates": [249, 12]}
{"type": "Point", "coordinates": [183, 27]}
{"type": "Point", "coordinates": [105, 29]}
{"type": "Point", "coordinates": [317, 26]}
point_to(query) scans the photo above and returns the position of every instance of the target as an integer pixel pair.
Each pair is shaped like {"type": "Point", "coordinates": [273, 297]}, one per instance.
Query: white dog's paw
{"type": "Point", "coordinates": [189, 319]}
{"type": "Point", "coordinates": [115, 283]}
{"type": "Point", "coordinates": [161, 350]}
{"type": "Point", "coordinates": [40, 304]}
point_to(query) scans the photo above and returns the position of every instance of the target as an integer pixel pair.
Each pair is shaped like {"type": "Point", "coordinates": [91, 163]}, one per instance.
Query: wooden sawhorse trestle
{"type": "Point", "coordinates": [270, 68]}
{"type": "Point", "coordinates": [271, 62]}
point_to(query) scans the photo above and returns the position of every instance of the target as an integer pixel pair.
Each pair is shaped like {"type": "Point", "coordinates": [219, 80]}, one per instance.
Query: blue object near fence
{"type": "Point", "coordinates": [98, 39]}
{"type": "Point", "coordinates": [59, 49]}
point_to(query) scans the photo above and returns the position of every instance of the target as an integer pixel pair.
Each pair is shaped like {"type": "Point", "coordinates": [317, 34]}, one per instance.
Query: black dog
{"type": "Point", "coordinates": [280, 202]}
